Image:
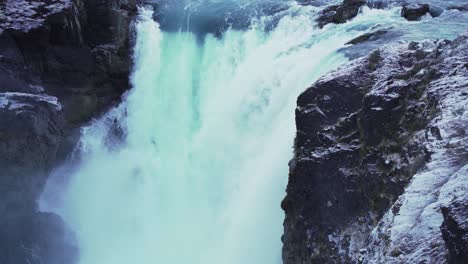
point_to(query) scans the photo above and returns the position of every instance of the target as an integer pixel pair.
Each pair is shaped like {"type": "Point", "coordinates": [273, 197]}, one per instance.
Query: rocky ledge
{"type": "Point", "coordinates": [379, 173]}
{"type": "Point", "coordinates": [62, 62]}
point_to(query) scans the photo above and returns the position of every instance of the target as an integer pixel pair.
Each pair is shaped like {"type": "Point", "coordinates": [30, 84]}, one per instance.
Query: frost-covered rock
{"type": "Point", "coordinates": [412, 226]}
{"type": "Point", "coordinates": [380, 148]}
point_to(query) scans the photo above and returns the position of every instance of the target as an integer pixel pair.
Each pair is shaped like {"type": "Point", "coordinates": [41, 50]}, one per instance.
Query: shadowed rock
{"type": "Point", "coordinates": [68, 48]}
{"type": "Point", "coordinates": [414, 12]}
{"type": "Point", "coordinates": [341, 13]}
{"type": "Point", "coordinates": [455, 230]}
{"type": "Point", "coordinates": [31, 132]}
{"type": "Point", "coordinates": [368, 37]}
{"type": "Point", "coordinates": [62, 62]}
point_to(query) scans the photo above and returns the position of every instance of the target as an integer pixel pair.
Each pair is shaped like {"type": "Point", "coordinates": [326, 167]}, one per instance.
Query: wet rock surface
{"type": "Point", "coordinates": [370, 137]}
{"type": "Point", "coordinates": [67, 48]}
{"type": "Point", "coordinates": [368, 37]}
{"type": "Point", "coordinates": [455, 230]}
{"type": "Point", "coordinates": [414, 12]}
{"type": "Point", "coordinates": [340, 13]}
{"type": "Point", "coordinates": [62, 62]}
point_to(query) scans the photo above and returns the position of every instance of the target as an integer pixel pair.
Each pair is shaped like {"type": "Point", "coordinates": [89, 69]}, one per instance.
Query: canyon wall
{"type": "Point", "coordinates": [62, 62]}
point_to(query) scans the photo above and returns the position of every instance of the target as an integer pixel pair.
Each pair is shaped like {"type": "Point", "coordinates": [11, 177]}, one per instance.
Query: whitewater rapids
{"type": "Point", "coordinates": [191, 167]}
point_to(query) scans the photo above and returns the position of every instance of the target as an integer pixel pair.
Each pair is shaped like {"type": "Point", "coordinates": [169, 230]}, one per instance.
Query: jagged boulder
{"type": "Point", "coordinates": [414, 12]}
{"type": "Point", "coordinates": [341, 13]}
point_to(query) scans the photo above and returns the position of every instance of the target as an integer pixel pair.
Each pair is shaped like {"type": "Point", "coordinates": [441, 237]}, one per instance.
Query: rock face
{"type": "Point", "coordinates": [77, 50]}
{"type": "Point", "coordinates": [30, 135]}
{"type": "Point", "coordinates": [371, 168]}
{"type": "Point", "coordinates": [455, 230]}
{"type": "Point", "coordinates": [61, 63]}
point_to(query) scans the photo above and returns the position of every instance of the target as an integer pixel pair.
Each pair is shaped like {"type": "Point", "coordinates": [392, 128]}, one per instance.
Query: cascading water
{"type": "Point", "coordinates": [192, 165]}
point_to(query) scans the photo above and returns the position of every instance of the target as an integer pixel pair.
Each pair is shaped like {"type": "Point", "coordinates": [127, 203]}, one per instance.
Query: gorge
{"type": "Point", "coordinates": [162, 131]}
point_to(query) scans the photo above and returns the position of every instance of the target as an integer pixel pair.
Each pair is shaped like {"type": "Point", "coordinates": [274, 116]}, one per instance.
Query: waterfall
{"type": "Point", "coordinates": [191, 167]}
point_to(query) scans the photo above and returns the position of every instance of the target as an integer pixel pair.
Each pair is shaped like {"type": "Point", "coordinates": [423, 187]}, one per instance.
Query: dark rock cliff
{"type": "Point", "coordinates": [62, 62]}
{"type": "Point", "coordinates": [364, 185]}
{"type": "Point", "coordinates": [77, 50]}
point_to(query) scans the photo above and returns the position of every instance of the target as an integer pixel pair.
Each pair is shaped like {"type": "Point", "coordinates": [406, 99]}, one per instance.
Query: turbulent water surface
{"type": "Point", "coordinates": [192, 165]}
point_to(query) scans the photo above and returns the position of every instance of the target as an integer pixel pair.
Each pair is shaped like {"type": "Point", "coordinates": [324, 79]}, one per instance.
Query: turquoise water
{"type": "Point", "coordinates": [191, 167]}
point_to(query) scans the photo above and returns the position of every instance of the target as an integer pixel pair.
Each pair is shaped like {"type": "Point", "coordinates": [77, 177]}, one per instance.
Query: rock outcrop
{"type": "Point", "coordinates": [368, 37]}
{"type": "Point", "coordinates": [414, 12]}
{"type": "Point", "coordinates": [341, 13]}
{"type": "Point", "coordinates": [380, 149]}
{"type": "Point", "coordinates": [62, 62]}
